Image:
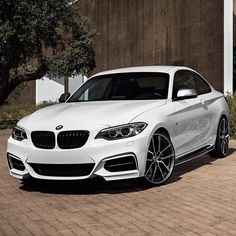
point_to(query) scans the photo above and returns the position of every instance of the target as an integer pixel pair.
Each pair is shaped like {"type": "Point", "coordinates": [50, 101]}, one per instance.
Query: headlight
{"type": "Point", "coordinates": [18, 134]}
{"type": "Point", "coordinates": [122, 131]}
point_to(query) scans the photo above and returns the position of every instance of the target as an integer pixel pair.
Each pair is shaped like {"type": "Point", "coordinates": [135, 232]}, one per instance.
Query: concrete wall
{"type": "Point", "coordinates": [228, 46]}
{"type": "Point", "coordinates": [152, 32]}
{"type": "Point", "coordinates": [234, 24]}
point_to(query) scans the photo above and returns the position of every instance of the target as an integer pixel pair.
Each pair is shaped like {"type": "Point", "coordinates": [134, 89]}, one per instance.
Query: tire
{"type": "Point", "coordinates": [222, 140]}
{"type": "Point", "coordinates": [160, 160]}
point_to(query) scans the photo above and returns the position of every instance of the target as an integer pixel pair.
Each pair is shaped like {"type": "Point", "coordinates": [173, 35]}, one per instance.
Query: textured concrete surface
{"type": "Point", "coordinates": [154, 32]}
{"type": "Point", "coordinates": [198, 200]}
{"type": "Point", "coordinates": [157, 32]}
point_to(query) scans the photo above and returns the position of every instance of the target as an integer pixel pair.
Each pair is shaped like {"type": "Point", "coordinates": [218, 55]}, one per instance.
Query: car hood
{"type": "Point", "coordinates": [86, 115]}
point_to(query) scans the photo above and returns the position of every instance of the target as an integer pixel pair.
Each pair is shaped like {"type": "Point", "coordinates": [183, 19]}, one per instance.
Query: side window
{"type": "Point", "coordinates": [182, 80]}
{"type": "Point", "coordinates": [201, 85]}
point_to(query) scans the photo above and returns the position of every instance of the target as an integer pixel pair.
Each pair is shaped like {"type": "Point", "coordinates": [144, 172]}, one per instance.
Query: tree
{"type": "Point", "coordinates": [39, 38]}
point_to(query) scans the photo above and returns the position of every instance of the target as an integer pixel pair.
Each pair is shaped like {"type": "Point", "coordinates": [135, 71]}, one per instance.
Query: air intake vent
{"type": "Point", "coordinates": [43, 139]}
{"type": "Point", "coordinates": [121, 164]}
{"type": "Point", "coordinates": [15, 163]}
{"type": "Point", "coordinates": [67, 170]}
{"type": "Point", "coordinates": [72, 139]}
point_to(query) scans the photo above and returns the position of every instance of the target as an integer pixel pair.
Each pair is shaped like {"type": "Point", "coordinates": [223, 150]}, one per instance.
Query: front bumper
{"type": "Point", "coordinates": [95, 153]}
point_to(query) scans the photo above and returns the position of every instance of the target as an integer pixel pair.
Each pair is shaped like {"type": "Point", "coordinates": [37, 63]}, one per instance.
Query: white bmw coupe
{"type": "Point", "coordinates": [121, 124]}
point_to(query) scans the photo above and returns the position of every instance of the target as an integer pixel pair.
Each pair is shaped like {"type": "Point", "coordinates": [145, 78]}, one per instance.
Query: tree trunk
{"type": "Point", "coordinates": [8, 85]}
{"type": "Point", "coordinates": [6, 90]}
{"type": "Point", "coordinates": [66, 84]}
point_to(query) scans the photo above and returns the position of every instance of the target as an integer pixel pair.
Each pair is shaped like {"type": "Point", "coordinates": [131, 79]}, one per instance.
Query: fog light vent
{"type": "Point", "coordinates": [15, 163]}
{"type": "Point", "coordinates": [121, 164]}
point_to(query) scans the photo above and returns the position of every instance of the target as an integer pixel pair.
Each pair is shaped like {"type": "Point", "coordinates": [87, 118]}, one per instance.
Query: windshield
{"type": "Point", "coordinates": [123, 86]}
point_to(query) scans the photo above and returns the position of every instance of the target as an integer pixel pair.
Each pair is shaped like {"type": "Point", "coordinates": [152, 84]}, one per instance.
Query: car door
{"type": "Point", "coordinates": [206, 99]}
{"type": "Point", "coordinates": [190, 115]}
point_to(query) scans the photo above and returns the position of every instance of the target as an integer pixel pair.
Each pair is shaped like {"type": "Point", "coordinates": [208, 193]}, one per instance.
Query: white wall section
{"type": "Point", "coordinates": [228, 46]}
{"type": "Point", "coordinates": [74, 83]}
{"type": "Point", "coordinates": [48, 90]}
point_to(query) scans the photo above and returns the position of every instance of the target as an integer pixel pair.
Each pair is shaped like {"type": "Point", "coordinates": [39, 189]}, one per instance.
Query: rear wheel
{"type": "Point", "coordinates": [222, 140]}
{"type": "Point", "coordinates": [160, 160]}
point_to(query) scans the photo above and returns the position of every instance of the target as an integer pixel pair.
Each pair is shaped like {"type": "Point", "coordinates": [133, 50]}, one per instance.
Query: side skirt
{"type": "Point", "coordinates": [193, 155]}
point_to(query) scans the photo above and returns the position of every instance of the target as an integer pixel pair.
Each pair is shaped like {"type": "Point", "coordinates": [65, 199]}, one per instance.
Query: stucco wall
{"type": "Point", "coordinates": [234, 27]}
{"type": "Point", "coordinates": [149, 32]}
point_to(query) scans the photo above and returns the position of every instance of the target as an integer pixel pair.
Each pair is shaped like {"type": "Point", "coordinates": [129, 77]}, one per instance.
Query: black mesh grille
{"type": "Point", "coordinates": [121, 164]}
{"type": "Point", "coordinates": [43, 139]}
{"type": "Point", "coordinates": [72, 139]}
{"type": "Point", "coordinates": [68, 170]}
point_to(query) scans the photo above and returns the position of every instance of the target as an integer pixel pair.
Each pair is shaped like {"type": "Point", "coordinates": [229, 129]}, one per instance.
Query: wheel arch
{"type": "Point", "coordinates": [221, 147]}
{"type": "Point", "coordinates": [163, 130]}
{"type": "Point", "coordinates": [222, 115]}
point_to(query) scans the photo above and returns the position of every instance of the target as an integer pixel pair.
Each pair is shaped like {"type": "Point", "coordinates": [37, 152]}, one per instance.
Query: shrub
{"type": "Point", "coordinates": [232, 112]}
{"type": "Point", "coordinates": [9, 114]}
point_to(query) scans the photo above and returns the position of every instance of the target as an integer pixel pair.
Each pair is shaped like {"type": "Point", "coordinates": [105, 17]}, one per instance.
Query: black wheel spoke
{"type": "Point", "coordinates": [163, 177]}
{"type": "Point", "coordinates": [165, 166]}
{"type": "Point", "coordinates": [153, 146]}
{"type": "Point", "coordinates": [150, 167]}
{"type": "Point", "coordinates": [154, 173]}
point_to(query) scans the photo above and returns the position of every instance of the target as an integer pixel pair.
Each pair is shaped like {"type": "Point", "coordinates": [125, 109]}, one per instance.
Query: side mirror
{"type": "Point", "coordinates": [186, 94]}
{"type": "Point", "coordinates": [64, 97]}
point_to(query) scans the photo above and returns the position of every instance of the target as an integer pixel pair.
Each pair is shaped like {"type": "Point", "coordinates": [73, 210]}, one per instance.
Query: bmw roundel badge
{"type": "Point", "coordinates": [59, 127]}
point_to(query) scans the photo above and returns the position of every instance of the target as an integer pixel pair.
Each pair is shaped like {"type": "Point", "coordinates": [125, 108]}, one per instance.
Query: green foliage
{"type": "Point", "coordinates": [232, 110]}
{"type": "Point", "coordinates": [76, 58]}
{"type": "Point", "coordinates": [42, 37]}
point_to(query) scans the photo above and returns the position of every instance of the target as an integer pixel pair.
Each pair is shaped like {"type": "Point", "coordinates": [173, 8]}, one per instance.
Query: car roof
{"type": "Point", "coordinates": [161, 69]}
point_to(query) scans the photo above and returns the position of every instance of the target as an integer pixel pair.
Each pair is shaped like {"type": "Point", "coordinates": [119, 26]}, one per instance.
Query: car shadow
{"type": "Point", "coordinates": [82, 187]}
{"type": "Point", "coordinates": [193, 165]}
{"type": "Point", "coordinates": [99, 185]}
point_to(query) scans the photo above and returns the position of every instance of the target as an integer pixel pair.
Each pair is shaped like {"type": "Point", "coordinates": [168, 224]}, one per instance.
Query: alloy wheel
{"type": "Point", "coordinates": [160, 159]}
{"type": "Point", "coordinates": [224, 136]}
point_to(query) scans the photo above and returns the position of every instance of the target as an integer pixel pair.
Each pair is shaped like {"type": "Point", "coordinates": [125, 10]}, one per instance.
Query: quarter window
{"type": "Point", "coordinates": [201, 85]}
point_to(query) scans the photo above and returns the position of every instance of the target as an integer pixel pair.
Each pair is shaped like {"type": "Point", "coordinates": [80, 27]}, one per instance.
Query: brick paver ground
{"type": "Point", "coordinates": [200, 199]}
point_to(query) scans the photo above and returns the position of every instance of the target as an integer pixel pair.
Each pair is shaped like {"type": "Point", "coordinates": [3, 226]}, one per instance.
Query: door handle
{"type": "Point", "coordinates": [202, 101]}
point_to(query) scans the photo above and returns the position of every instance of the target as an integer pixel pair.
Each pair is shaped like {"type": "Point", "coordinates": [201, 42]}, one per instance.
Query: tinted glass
{"type": "Point", "coordinates": [182, 80]}
{"type": "Point", "coordinates": [201, 85]}
{"type": "Point", "coordinates": [124, 86]}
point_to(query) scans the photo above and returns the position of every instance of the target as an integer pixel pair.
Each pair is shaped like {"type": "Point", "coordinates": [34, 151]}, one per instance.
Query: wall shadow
{"type": "Point", "coordinates": [99, 185]}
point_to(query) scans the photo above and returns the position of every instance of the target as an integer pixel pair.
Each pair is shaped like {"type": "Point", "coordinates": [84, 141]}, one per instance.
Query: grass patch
{"type": "Point", "coordinates": [12, 113]}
